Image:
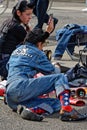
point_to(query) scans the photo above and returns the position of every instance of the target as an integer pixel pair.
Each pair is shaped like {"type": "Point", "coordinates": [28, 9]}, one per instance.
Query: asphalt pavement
{"type": "Point", "coordinates": [66, 13]}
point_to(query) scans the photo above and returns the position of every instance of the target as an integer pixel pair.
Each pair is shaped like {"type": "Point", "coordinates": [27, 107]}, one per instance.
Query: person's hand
{"type": "Point", "coordinates": [57, 67]}
{"type": "Point", "coordinates": [56, 64]}
{"type": "Point", "coordinates": [50, 26]}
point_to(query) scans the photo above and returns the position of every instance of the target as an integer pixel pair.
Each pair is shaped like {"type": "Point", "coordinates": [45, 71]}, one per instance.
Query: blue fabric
{"type": "Point", "coordinates": [64, 35]}
{"type": "Point", "coordinates": [22, 88]}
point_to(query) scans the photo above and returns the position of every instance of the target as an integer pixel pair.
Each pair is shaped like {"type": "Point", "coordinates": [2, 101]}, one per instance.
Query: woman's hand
{"type": "Point", "coordinates": [50, 26]}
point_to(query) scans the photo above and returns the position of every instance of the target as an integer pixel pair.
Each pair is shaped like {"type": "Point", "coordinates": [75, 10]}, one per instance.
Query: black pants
{"type": "Point", "coordinates": [40, 11]}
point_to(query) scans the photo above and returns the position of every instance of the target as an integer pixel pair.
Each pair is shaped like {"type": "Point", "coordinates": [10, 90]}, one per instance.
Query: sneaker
{"type": "Point", "coordinates": [27, 114]}
{"type": "Point", "coordinates": [71, 116]}
{"type": "Point", "coordinates": [58, 57]}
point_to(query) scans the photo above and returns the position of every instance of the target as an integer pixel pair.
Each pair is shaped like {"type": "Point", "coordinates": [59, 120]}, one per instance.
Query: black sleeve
{"type": "Point", "coordinates": [45, 35]}
{"type": "Point", "coordinates": [19, 32]}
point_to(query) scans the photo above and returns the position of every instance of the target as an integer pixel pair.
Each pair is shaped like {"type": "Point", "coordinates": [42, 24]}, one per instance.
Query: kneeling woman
{"type": "Point", "coordinates": [24, 91]}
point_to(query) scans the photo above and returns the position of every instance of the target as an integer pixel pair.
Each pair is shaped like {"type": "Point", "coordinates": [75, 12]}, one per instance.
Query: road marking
{"type": "Point", "coordinates": [9, 10]}
{"type": "Point", "coordinates": [66, 8]}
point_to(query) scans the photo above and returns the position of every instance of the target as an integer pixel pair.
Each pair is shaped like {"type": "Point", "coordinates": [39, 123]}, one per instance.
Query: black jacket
{"type": "Point", "coordinates": [14, 33]}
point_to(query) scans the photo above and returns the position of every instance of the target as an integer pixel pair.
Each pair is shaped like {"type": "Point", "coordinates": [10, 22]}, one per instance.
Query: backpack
{"type": "Point", "coordinates": [76, 72]}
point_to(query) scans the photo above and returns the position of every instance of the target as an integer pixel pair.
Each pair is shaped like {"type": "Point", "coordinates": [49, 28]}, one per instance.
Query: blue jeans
{"type": "Point", "coordinates": [63, 42]}
{"type": "Point", "coordinates": [25, 91]}
{"type": "Point", "coordinates": [40, 10]}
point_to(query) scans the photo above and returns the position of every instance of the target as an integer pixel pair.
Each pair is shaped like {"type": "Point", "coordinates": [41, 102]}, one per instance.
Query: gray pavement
{"type": "Point", "coordinates": [66, 13]}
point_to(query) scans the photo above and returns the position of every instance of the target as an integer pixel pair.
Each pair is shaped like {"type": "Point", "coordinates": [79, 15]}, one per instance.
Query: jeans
{"type": "Point", "coordinates": [40, 10]}
{"type": "Point", "coordinates": [64, 40]}
{"type": "Point", "coordinates": [25, 91]}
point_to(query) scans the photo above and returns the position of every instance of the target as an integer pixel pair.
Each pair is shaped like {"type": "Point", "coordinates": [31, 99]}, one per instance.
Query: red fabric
{"type": "Point", "coordinates": [67, 108]}
{"type": "Point", "coordinates": [2, 91]}
{"type": "Point", "coordinates": [65, 104]}
{"type": "Point", "coordinates": [37, 110]}
{"type": "Point", "coordinates": [62, 95]}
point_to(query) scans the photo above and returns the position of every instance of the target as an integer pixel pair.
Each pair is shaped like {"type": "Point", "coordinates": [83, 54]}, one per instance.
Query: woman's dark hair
{"type": "Point", "coordinates": [35, 36]}
{"type": "Point", "coordinates": [21, 6]}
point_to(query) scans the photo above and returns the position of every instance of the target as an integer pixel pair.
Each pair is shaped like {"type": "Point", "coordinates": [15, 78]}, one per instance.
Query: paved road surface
{"type": "Point", "coordinates": [66, 13]}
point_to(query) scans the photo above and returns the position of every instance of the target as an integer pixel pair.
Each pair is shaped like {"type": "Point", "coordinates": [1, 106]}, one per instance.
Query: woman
{"type": "Point", "coordinates": [13, 32]}
{"type": "Point", "coordinates": [24, 92]}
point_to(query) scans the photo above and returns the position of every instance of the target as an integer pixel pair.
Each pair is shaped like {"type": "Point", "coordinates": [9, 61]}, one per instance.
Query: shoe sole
{"type": "Point", "coordinates": [64, 118]}
{"type": "Point", "coordinates": [25, 113]}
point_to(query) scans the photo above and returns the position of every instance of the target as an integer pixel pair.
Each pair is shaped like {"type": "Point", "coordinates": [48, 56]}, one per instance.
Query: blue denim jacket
{"type": "Point", "coordinates": [33, 61]}
{"type": "Point", "coordinates": [64, 35]}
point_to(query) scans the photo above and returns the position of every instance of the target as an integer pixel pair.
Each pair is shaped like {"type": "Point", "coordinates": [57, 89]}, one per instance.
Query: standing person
{"type": "Point", "coordinates": [24, 91]}
{"type": "Point", "coordinates": [13, 32]}
{"type": "Point", "coordinates": [40, 10]}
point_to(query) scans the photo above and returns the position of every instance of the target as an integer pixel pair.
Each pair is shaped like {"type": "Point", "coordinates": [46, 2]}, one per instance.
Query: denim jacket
{"type": "Point", "coordinates": [64, 35]}
{"type": "Point", "coordinates": [26, 61]}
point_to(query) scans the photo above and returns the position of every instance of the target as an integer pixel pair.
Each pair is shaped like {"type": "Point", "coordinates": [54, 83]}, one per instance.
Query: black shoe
{"type": "Point", "coordinates": [71, 116]}
{"type": "Point", "coordinates": [55, 22]}
{"type": "Point", "coordinates": [25, 113]}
